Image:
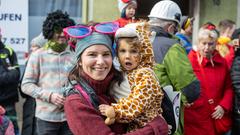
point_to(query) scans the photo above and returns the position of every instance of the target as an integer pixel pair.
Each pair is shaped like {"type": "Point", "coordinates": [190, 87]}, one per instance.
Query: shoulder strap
{"type": "Point", "coordinates": [84, 94]}
{"type": "Point", "coordinates": [90, 92]}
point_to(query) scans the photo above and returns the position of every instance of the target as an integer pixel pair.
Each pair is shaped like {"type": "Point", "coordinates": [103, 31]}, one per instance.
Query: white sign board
{"type": "Point", "coordinates": [14, 26]}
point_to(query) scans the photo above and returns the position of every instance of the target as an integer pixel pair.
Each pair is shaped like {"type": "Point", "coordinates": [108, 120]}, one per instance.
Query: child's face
{"type": "Point", "coordinates": [130, 10]}
{"type": "Point", "coordinates": [128, 55]}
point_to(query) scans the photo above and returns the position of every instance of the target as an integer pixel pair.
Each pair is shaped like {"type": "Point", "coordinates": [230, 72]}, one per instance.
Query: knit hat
{"type": "Point", "coordinates": [185, 22]}
{"type": "Point", "coordinates": [39, 40]}
{"type": "Point", "coordinates": [122, 4]}
{"type": "Point", "coordinates": [127, 31]}
{"type": "Point", "coordinates": [236, 33]}
{"type": "Point", "coordinates": [93, 39]}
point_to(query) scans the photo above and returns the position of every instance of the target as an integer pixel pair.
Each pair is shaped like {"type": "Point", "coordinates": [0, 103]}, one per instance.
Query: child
{"type": "Point", "coordinates": [143, 103]}
{"type": "Point", "coordinates": [127, 9]}
{"type": "Point", "coordinates": [6, 126]}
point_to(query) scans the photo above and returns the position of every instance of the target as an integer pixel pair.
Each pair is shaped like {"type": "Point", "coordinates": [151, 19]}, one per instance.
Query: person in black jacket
{"type": "Point", "coordinates": [235, 74]}
{"type": "Point", "coordinates": [9, 79]}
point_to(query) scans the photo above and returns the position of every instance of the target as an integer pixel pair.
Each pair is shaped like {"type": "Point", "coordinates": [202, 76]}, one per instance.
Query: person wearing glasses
{"type": "Point", "coordinates": [173, 68]}
{"type": "Point", "coordinates": [46, 73]}
{"type": "Point", "coordinates": [90, 81]}
{"type": "Point", "coordinates": [212, 110]}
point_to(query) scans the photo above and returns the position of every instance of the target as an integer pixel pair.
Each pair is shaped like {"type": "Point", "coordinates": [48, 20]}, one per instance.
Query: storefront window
{"type": "Point", "coordinates": [72, 7]}
{"type": "Point", "coordinates": [38, 10]}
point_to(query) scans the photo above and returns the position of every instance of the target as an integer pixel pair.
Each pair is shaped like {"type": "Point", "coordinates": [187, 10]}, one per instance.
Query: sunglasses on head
{"type": "Point", "coordinates": [81, 31]}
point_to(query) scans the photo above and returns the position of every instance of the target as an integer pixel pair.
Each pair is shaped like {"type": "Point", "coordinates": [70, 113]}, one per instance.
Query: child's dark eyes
{"type": "Point", "coordinates": [131, 51]}
{"type": "Point", "coordinates": [134, 51]}
{"type": "Point", "coordinates": [122, 50]}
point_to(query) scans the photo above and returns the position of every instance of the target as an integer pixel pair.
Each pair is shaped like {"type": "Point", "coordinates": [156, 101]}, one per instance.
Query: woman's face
{"type": "Point", "coordinates": [96, 61]}
{"type": "Point", "coordinates": [206, 47]}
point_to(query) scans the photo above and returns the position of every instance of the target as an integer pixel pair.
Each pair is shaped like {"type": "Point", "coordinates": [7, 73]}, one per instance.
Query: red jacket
{"type": "Point", "coordinates": [124, 21]}
{"type": "Point", "coordinates": [86, 120]}
{"type": "Point", "coordinates": [216, 85]}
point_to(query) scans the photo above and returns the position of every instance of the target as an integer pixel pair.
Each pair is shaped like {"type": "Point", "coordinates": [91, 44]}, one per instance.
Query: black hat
{"type": "Point", "coordinates": [236, 33]}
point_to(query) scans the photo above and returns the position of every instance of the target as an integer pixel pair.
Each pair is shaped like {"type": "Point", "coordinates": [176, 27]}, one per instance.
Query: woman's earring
{"type": "Point", "coordinates": [79, 65]}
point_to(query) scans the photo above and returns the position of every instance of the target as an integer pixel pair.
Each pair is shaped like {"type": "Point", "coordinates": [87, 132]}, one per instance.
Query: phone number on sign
{"type": "Point", "coordinates": [13, 40]}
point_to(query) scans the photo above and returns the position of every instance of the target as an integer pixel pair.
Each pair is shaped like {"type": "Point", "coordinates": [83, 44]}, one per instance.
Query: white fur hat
{"type": "Point", "coordinates": [126, 31]}
{"type": "Point", "coordinates": [124, 3]}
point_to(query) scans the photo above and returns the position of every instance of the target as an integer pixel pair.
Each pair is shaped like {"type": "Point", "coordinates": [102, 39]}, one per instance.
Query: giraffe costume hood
{"type": "Point", "coordinates": [143, 103]}
{"type": "Point", "coordinates": [139, 30]}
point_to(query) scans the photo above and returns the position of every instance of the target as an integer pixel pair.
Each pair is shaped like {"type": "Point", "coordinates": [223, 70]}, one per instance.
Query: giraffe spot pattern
{"type": "Point", "coordinates": [144, 102]}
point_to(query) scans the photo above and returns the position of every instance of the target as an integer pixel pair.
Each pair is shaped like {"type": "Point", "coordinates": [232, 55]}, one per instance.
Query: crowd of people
{"type": "Point", "coordinates": [119, 77]}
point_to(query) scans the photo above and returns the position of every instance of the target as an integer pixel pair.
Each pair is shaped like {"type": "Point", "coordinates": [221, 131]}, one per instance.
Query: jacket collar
{"type": "Point", "coordinates": [215, 59]}
{"type": "Point", "coordinates": [160, 32]}
{"type": "Point", "coordinates": [49, 50]}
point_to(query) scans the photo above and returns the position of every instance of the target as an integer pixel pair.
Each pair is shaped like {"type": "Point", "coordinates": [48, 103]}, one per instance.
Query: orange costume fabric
{"type": "Point", "coordinates": [143, 103]}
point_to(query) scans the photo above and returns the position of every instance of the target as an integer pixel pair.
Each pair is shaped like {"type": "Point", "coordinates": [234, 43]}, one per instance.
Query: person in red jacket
{"type": "Point", "coordinates": [210, 114]}
{"type": "Point", "coordinates": [127, 10]}
{"type": "Point", "coordinates": [226, 28]}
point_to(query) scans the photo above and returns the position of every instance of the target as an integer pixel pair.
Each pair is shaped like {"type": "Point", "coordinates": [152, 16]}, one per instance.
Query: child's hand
{"type": "Point", "coordinates": [109, 112]}
{"type": "Point", "coordinates": [109, 121]}
{"type": "Point", "coordinates": [106, 109]}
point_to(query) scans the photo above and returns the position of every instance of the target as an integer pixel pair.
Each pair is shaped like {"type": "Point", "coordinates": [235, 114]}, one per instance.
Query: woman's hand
{"type": "Point", "coordinates": [218, 113]}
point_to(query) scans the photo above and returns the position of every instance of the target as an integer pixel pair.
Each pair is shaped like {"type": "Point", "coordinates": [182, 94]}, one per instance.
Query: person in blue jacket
{"type": "Point", "coordinates": [185, 35]}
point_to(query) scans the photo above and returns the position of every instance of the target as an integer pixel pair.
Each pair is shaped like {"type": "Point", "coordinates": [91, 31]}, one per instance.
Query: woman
{"type": "Point", "coordinates": [211, 112]}
{"type": "Point", "coordinates": [90, 81]}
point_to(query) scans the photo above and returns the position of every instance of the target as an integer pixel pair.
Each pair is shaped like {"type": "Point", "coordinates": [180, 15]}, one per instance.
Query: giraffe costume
{"type": "Point", "coordinates": [143, 103]}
